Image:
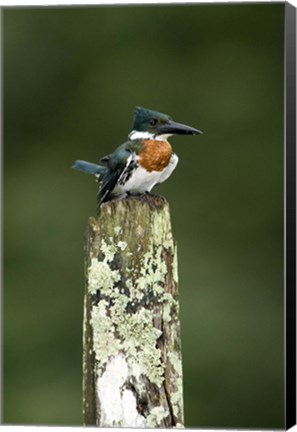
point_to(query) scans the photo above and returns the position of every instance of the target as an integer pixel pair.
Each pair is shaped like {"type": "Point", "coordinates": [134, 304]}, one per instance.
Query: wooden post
{"type": "Point", "coordinates": [132, 371]}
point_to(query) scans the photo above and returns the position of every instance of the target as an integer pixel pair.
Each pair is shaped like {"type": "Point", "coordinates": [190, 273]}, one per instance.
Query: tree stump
{"type": "Point", "coordinates": [132, 371]}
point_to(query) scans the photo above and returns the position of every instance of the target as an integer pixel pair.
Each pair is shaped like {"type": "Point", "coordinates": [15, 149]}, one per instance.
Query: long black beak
{"type": "Point", "coordinates": [172, 127]}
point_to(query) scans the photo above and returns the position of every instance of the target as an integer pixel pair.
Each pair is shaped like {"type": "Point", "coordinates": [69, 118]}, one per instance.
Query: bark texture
{"type": "Point", "coordinates": [132, 373]}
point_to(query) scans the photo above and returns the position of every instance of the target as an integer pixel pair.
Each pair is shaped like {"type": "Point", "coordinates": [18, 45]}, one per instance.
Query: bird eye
{"type": "Point", "coordinates": [153, 122]}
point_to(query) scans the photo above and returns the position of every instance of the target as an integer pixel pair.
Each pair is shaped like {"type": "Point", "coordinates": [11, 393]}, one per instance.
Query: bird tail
{"type": "Point", "coordinates": [89, 168]}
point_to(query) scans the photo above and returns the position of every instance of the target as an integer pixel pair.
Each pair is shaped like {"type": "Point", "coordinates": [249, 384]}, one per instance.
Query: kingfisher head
{"type": "Point", "coordinates": [149, 124]}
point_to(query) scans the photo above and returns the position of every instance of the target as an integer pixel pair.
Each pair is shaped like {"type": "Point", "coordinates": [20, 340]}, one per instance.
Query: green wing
{"type": "Point", "coordinates": [118, 165]}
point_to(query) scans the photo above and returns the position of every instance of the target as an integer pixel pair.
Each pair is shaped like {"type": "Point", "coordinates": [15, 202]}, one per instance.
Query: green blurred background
{"type": "Point", "coordinates": [72, 77]}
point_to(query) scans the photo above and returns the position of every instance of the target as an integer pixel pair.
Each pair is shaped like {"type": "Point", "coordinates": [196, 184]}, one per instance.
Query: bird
{"type": "Point", "coordinates": [143, 161]}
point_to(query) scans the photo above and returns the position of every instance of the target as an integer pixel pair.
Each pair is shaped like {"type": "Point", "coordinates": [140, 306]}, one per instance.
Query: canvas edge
{"type": "Point", "coordinates": [290, 215]}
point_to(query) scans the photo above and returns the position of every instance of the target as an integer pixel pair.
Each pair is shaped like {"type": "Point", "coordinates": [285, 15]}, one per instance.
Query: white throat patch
{"type": "Point", "coordinates": [135, 135]}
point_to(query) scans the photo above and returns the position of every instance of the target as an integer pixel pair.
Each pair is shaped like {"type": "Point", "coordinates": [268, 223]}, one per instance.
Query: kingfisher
{"type": "Point", "coordinates": [142, 162]}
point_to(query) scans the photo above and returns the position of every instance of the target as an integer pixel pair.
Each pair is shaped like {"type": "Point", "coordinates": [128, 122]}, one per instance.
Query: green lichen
{"type": "Point", "coordinates": [116, 330]}
{"type": "Point", "coordinates": [104, 343]}
{"type": "Point", "coordinates": [156, 415]}
{"type": "Point", "coordinates": [101, 277]}
{"type": "Point", "coordinates": [122, 245]}
{"type": "Point", "coordinates": [166, 312]}
{"type": "Point", "coordinates": [177, 396]}
{"type": "Point", "coordinates": [133, 334]}
{"type": "Point", "coordinates": [162, 228]}
{"type": "Point", "coordinates": [139, 342]}
{"type": "Point", "coordinates": [169, 303]}
{"type": "Point", "coordinates": [108, 250]}
{"type": "Point", "coordinates": [153, 271]}
{"type": "Point", "coordinates": [117, 230]}
{"type": "Point", "coordinates": [174, 266]}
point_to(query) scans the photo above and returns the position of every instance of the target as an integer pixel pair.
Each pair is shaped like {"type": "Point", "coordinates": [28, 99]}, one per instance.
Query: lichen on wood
{"type": "Point", "coordinates": [132, 373]}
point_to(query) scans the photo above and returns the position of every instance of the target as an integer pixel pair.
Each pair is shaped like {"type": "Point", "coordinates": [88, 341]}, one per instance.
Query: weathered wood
{"type": "Point", "coordinates": [132, 373]}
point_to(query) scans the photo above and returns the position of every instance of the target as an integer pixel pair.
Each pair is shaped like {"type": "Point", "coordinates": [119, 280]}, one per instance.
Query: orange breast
{"type": "Point", "coordinates": [156, 155]}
